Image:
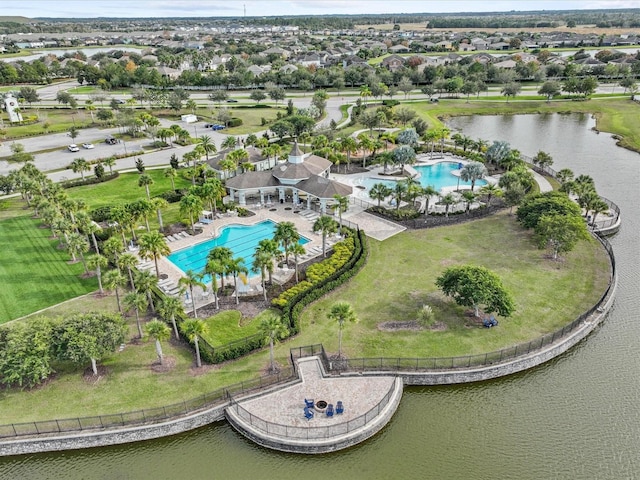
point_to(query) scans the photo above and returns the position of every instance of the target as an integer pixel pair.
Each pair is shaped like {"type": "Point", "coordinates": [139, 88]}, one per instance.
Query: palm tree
{"type": "Point", "coordinates": [398, 191]}
{"type": "Point", "coordinates": [193, 329]}
{"type": "Point", "coordinates": [112, 280]}
{"type": "Point", "coordinates": [159, 203]}
{"type": "Point", "coordinates": [473, 171]}
{"type": "Point", "coordinates": [341, 205]}
{"type": "Point", "coordinates": [468, 197]}
{"type": "Point", "coordinates": [207, 145]}
{"type": "Point", "coordinates": [270, 248]}
{"type": "Point", "coordinates": [128, 261]}
{"type": "Point", "coordinates": [98, 262]}
{"type": "Point", "coordinates": [428, 192]}
{"type": "Point", "coordinates": [262, 260]}
{"type": "Point", "coordinates": [190, 281]}
{"type": "Point", "coordinates": [443, 134]}
{"type": "Point", "coordinates": [349, 146]}
{"type": "Point", "coordinates": [430, 137]}
{"type": "Point", "coordinates": [379, 192]}
{"type": "Point", "coordinates": [109, 162]}
{"type": "Point", "coordinates": [224, 256]}
{"type": "Point", "coordinates": [273, 329]}
{"type": "Point", "coordinates": [112, 248]}
{"type": "Point", "coordinates": [365, 92]}
{"type": "Point", "coordinates": [236, 266]}
{"type": "Point", "coordinates": [80, 165]}
{"type": "Point", "coordinates": [490, 190]}
{"type": "Point", "coordinates": [145, 180]}
{"type": "Point", "coordinates": [214, 268]}
{"type": "Point", "coordinates": [447, 201]}
{"type": "Point", "coordinates": [342, 312]}
{"type": "Point", "coordinates": [168, 309]}
{"type": "Point", "coordinates": [229, 142]}
{"type": "Point", "coordinates": [191, 205]}
{"type": "Point", "coordinates": [77, 245]}
{"type": "Point", "coordinates": [326, 226]}
{"type": "Point", "coordinates": [158, 331]}
{"type": "Point", "coordinates": [152, 247]}
{"type": "Point", "coordinates": [137, 302]}
{"type": "Point", "coordinates": [286, 234]}
{"type": "Point", "coordinates": [297, 250]}
{"type": "Point", "coordinates": [145, 281]}
{"type": "Point", "coordinates": [171, 173]}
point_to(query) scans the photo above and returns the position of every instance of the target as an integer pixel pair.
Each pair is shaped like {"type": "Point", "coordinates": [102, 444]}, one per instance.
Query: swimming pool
{"type": "Point", "coordinates": [437, 175]}
{"type": "Point", "coordinates": [241, 239]}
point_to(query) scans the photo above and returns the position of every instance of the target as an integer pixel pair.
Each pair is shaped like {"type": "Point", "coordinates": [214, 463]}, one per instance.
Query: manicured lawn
{"type": "Point", "coordinates": [125, 189]}
{"type": "Point", "coordinates": [229, 326]}
{"type": "Point", "coordinates": [34, 274]}
{"type": "Point", "coordinates": [399, 278]}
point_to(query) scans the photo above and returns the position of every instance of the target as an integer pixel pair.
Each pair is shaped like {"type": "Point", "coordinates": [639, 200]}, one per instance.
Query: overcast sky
{"type": "Point", "coordinates": [234, 8]}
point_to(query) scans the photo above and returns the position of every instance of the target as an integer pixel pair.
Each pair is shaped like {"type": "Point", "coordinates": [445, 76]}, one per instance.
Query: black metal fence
{"type": "Point", "coordinates": [461, 362]}
{"type": "Point", "coordinates": [145, 416]}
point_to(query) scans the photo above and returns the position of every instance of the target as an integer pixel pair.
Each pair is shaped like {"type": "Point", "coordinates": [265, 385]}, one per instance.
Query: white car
{"type": "Point", "coordinates": [73, 148]}
{"type": "Point", "coordinates": [88, 146]}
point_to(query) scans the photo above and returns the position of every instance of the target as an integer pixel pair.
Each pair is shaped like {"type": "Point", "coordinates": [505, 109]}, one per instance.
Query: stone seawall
{"type": "Point", "coordinates": [113, 436]}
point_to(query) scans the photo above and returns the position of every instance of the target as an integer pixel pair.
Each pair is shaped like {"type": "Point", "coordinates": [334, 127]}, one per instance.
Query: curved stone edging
{"type": "Point", "coordinates": [319, 445]}
{"type": "Point", "coordinates": [205, 417]}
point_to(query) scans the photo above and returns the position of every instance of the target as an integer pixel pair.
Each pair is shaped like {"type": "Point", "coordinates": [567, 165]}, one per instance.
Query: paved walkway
{"type": "Point", "coordinates": [277, 420]}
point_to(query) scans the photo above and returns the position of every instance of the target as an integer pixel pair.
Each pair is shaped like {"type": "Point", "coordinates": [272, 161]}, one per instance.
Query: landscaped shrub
{"type": "Point", "coordinates": [405, 213]}
{"type": "Point", "coordinates": [172, 196]}
{"type": "Point", "coordinates": [390, 103]}
{"type": "Point", "coordinates": [234, 122]}
{"type": "Point", "coordinates": [89, 181]}
{"type": "Point", "coordinates": [101, 214]}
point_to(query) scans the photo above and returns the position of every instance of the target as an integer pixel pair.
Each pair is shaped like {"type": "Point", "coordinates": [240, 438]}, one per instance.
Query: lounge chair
{"type": "Point", "coordinates": [309, 403]}
{"type": "Point", "coordinates": [330, 410]}
{"type": "Point", "coordinates": [339, 407]}
{"type": "Point", "coordinates": [308, 413]}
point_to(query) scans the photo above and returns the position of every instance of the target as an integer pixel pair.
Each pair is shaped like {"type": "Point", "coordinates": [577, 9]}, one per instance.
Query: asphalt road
{"type": "Point", "coordinates": [51, 153]}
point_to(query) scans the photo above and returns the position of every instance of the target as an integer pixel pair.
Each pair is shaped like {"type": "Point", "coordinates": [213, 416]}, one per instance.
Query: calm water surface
{"type": "Point", "coordinates": [576, 417]}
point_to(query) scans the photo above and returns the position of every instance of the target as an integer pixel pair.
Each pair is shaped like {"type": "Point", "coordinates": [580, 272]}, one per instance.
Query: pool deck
{"type": "Point", "coordinates": [276, 419]}
{"type": "Point", "coordinates": [303, 221]}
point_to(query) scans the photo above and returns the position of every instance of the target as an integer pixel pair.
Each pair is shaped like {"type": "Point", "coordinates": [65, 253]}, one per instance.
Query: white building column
{"type": "Point", "coordinates": [241, 198]}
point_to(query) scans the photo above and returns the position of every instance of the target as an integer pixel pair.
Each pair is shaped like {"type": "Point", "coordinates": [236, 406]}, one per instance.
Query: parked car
{"type": "Point", "coordinates": [88, 146]}
{"type": "Point", "coordinates": [111, 141]}
{"type": "Point", "coordinates": [231, 100]}
{"type": "Point", "coordinates": [120, 101]}
{"type": "Point", "coordinates": [217, 126]}
{"type": "Point", "coordinates": [73, 148]}
{"type": "Point", "coordinates": [208, 125]}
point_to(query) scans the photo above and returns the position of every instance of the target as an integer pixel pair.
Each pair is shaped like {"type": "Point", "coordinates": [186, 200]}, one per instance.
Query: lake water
{"type": "Point", "coordinates": [575, 417]}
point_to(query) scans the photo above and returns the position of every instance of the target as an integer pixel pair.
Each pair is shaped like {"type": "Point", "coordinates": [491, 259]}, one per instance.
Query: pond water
{"type": "Point", "coordinates": [575, 417]}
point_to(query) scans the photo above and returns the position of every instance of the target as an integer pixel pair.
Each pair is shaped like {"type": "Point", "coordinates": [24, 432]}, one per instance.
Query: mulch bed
{"type": "Point", "coordinates": [167, 365]}
{"type": "Point", "coordinates": [92, 379]}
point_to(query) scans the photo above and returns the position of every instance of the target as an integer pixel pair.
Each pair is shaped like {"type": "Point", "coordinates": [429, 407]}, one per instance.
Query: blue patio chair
{"type": "Point", "coordinates": [493, 321]}
{"type": "Point", "coordinates": [308, 413]}
{"type": "Point", "coordinates": [487, 323]}
{"type": "Point", "coordinates": [339, 407]}
{"type": "Point", "coordinates": [330, 410]}
{"type": "Point", "coordinates": [309, 403]}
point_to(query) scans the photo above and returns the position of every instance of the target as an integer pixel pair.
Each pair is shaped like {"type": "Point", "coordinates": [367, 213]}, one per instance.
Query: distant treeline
{"type": "Point", "coordinates": [622, 18]}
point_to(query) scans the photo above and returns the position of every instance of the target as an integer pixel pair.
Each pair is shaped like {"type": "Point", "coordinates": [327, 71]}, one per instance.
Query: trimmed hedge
{"type": "Point", "coordinates": [300, 296]}
{"type": "Point", "coordinates": [89, 181]}
{"type": "Point", "coordinates": [234, 122]}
